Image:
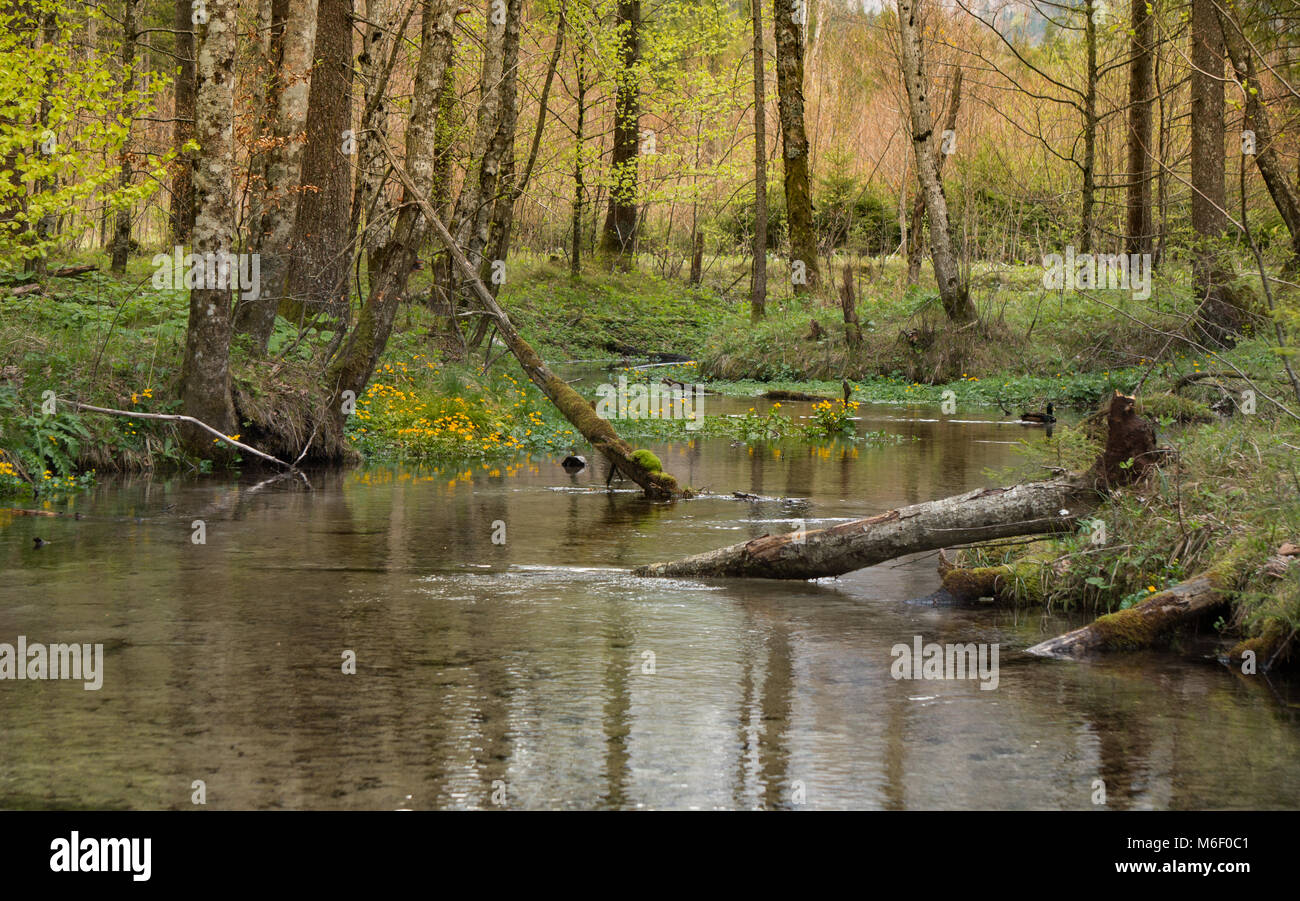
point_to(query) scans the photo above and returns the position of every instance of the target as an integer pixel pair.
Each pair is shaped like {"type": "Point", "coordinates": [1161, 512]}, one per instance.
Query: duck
{"type": "Point", "coordinates": [38, 543]}
{"type": "Point", "coordinates": [1040, 418]}
{"type": "Point", "coordinates": [574, 463]}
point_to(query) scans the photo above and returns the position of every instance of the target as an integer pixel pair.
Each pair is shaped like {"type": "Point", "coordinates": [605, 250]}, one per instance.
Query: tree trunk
{"type": "Point", "coordinates": [849, 303]}
{"type": "Point", "coordinates": [981, 515]}
{"type": "Point", "coordinates": [1257, 120]}
{"type": "Point", "coordinates": [490, 238]}
{"type": "Point", "coordinates": [697, 255]}
{"type": "Point", "coordinates": [319, 266]}
{"type": "Point", "coordinates": [293, 45]}
{"type": "Point", "coordinates": [205, 391]}
{"type": "Point", "coordinates": [1140, 76]}
{"type": "Point", "coordinates": [915, 244]}
{"type": "Point", "coordinates": [952, 291]}
{"type": "Point", "coordinates": [182, 196]}
{"type": "Point", "coordinates": [122, 231]}
{"type": "Point", "coordinates": [391, 264]}
{"type": "Point", "coordinates": [1087, 215]}
{"type": "Point", "coordinates": [575, 257]}
{"type": "Point", "coordinates": [619, 234]}
{"type": "Point", "coordinates": [794, 140]}
{"type": "Point", "coordinates": [575, 408]}
{"type": "Point", "coordinates": [1220, 314]}
{"type": "Point", "coordinates": [758, 277]}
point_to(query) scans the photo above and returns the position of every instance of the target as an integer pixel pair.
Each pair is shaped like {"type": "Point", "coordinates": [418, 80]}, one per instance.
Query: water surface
{"type": "Point", "coordinates": [522, 669]}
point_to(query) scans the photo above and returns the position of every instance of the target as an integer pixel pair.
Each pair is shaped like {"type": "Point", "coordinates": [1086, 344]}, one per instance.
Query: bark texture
{"type": "Point", "coordinates": [794, 138]}
{"type": "Point", "coordinates": [952, 289]}
{"type": "Point", "coordinates": [981, 515]}
{"type": "Point", "coordinates": [182, 196]}
{"type": "Point", "coordinates": [619, 234]}
{"type": "Point", "coordinates": [1139, 231]}
{"type": "Point", "coordinates": [391, 262]}
{"type": "Point", "coordinates": [122, 230]}
{"type": "Point", "coordinates": [205, 392]}
{"type": "Point", "coordinates": [758, 276]}
{"type": "Point", "coordinates": [318, 266]}
{"type": "Point", "coordinates": [1141, 626]}
{"type": "Point", "coordinates": [292, 46]}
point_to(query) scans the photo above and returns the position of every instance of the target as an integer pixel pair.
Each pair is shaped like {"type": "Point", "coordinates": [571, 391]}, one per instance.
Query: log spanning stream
{"type": "Point", "coordinates": [537, 671]}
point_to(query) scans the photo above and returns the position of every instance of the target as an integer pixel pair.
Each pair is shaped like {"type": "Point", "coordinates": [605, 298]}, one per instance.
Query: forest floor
{"type": "Point", "coordinates": [1232, 485]}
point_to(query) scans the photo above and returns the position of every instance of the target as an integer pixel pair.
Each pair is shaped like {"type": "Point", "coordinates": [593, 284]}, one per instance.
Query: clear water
{"type": "Point", "coordinates": [517, 672]}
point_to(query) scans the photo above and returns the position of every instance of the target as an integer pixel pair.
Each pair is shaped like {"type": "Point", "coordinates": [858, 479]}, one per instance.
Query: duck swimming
{"type": "Point", "coordinates": [1040, 418]}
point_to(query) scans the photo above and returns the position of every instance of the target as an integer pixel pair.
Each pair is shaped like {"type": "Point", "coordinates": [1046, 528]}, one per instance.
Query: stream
{"type": "Point", "coordinates": [504, 654]}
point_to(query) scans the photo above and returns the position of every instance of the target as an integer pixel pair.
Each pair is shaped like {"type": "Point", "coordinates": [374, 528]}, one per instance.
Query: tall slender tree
{"type": "Point", "coordinates": [122, 231]}
{"type": "Point", "coordinates": [790, 18]}
{"type": "Point", "coordinates": [758, 284]}
{"type": "Point", "coordinates": [1140, 228]}
{"type": "Point", "coordinates": [619, 235]}
{"type": "Point", "coordinates": [182, 193]}
{"type": "Point", "coordinates": [952, 288]}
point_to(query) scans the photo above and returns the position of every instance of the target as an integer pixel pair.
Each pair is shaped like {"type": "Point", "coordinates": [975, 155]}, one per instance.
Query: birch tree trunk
{"type": "Point", "coordinates": [952, 291]}
{"type": "Point", "coordinates": [293, 44]}
{"type": "Point", "coordinates": [916, 243]}
{"type": "Point", "coordinates": [789, 18]}
{"type": "Point", "coordinates": [205, 390]}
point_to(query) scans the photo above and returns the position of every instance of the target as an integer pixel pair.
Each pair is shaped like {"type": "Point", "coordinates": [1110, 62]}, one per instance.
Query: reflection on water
{"type": "Point", "coordinates": [540, 667]}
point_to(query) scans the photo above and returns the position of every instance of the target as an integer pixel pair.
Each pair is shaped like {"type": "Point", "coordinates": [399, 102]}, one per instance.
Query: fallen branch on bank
{"type": "Point", "coordinates": [176, 417]}
{"type": "Point", "coordinates": [1143, 625]}
{"type": "Point", "coordinates": [1035, 508]}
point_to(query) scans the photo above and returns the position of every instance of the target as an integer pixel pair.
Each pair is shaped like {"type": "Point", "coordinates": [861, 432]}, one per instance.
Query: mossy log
{"type": "Point", "coordinates": [1155, 618]}
{"type": "Point", "coordinates": [1141, 626]}
{"type": "Point", "coordinates": [1036, 508]}
{"type": "Point", "coordinates": [575, 408]}
{"type": "Point", "coordinates": [1024, 580]}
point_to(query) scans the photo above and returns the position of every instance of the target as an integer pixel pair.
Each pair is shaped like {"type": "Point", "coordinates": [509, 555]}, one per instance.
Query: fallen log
{"type": "Point", "coordinates": [71, 271]}
{"type": "Point", "coordinates": [1141, 626]}
{"type": "Point", "coordinates": [985, 514]}
{"type": "Point", "coordinates": [781, 394]}
{"type": "Point", "coordinates": [575, 408]}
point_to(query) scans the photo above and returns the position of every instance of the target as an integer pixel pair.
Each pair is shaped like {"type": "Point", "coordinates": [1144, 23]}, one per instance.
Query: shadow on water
{"type": "Point", "coordinates": [504, 652]}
